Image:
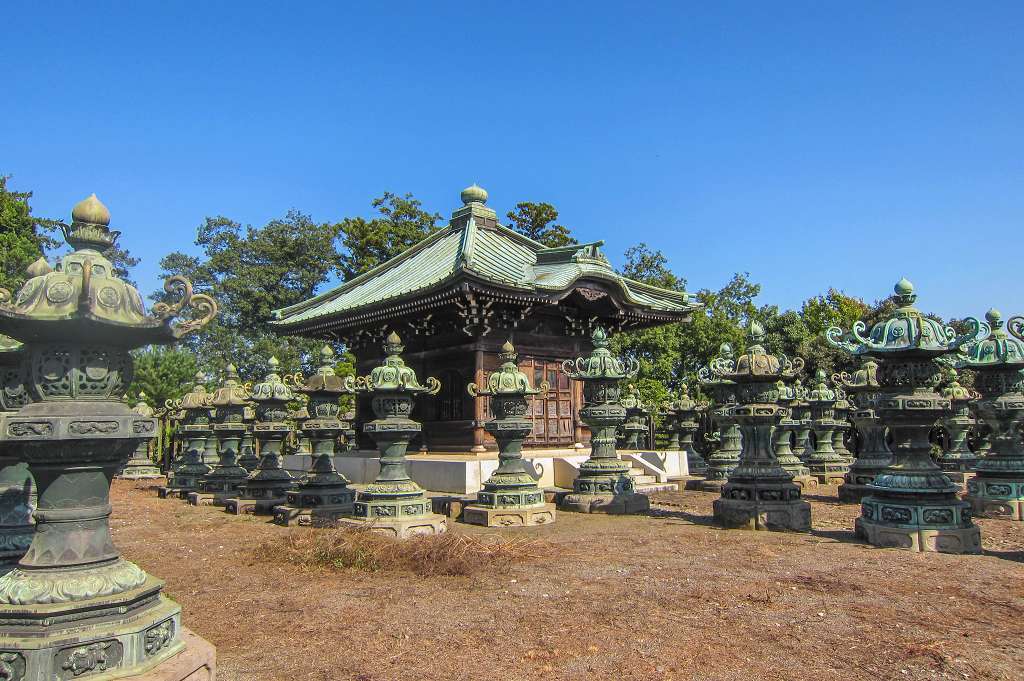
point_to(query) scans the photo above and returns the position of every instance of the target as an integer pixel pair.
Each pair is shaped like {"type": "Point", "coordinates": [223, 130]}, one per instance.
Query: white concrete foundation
{"type": "Point", "coordinates": [465, 473]}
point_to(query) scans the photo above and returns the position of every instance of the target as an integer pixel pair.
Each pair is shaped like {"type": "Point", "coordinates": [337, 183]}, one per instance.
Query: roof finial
{"type": "Point", "coordinates": [474, 194]}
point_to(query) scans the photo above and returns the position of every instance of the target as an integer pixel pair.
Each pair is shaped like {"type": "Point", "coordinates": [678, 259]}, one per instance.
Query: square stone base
{"type": "Point", "coordinates": [1006, 509]}
{"type": "Point", "coordinates": [805, 482]}
{"type": "Point", "coordinates": [954, 540]}
{"type": "Point", "coordinates": [204, 499]}
{"type": "Point", "coordinates": [197, 662]}
{"type": "Point", "coordinates": [612, 504]}
{"type": "Point", "coordinates": [321, 516]}
{"type": "Point", "coordinates": [400, 528]}
{"type": "Point", "coordinates": [508, 517]}
{"type": "Point", "coordinates": [746, 514]}
{"type": "Point", "coordinates": [169, 492]}
{"type": "Point", "coordinates": [141, 475]}
{"type": "Point", "coordinates": [830, 477]}
{"type": "Point", "coordinates": [241, 506]}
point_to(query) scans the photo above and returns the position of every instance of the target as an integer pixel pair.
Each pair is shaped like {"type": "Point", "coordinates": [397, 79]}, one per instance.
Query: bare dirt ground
{"type": "Point", "coordinates": [660, 597]}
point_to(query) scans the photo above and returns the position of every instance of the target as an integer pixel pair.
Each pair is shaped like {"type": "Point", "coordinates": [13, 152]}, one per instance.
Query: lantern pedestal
{"type": "Point", "coordinates": [760, 494]}
{"type": "Point", "coordinates": [393, 504]}
{"type": "Point", "coordinates": [323, 496]}
{"type": "Point", "coordinates": [184, 479]}
{"type": "Point", "coordinates": [911, 504]}
{"type": "Point", "coordinates": [997, 489]}
{"type": "Point", "coordinates": [268, 485]}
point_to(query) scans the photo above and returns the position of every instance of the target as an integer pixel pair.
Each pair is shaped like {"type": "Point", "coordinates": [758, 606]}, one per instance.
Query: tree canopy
{"type": "Point", "coordinates": [367, 243]}
{"type": "Point", "coordinates": [537, 221]}
{"type": "Point", "coordinates": [24, 238]}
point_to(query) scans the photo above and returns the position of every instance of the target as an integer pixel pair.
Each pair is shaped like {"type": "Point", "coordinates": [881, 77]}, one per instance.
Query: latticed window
{"type": "Point", "coordinates": [450, 400]}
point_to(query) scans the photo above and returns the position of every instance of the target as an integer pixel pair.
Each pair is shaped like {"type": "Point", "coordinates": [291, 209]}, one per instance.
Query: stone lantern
{"type": "Point", "coordinates": [800, 412]}
{"type": "Point", "coordinates": [193, 430]}
{"type": "Point", "coordinates": [957, 459]}
{"type": "Point", "coordinates": [268, 484]}
{"type": "Point", "coordinates": [874, 455]}
{"type": "Point", "coordinates": [394, 504]}
{"type": "Point", "coordinates": [635, 428]}
{"type": "Point", "coordinates": [684, 410]}
{"type": "Point", "coordinates": [603, 484]}
{"type": "Point", "coordinates": [221, 483]}
{"type": "Point", "coordinates": [322, 496]}
{"type": "Point", "coordinates": [997, 489]}
{"type": "Point", "coordinates": [911, 504]}
{"type": "Point", "coordinates": [141, 466]}
{"type": "Point", "coordinates": [726, 453]}
{"type": "Point", "coordinates": [759, 493]}
{"type": "Point", "coordinates": [16, 496]}
{"type": "Point", "coordinates": [824, 463]}
{"type": "Point", "coordinates": [841, 413]}
{"type": "Point", "coordinates": [789, 396]}
{"type": "Point", "coordinates": [249, 458]}
{"type": "Point", "coordinates": [510, 497]}
{"type": "Point", "coordinates": [73, 608]}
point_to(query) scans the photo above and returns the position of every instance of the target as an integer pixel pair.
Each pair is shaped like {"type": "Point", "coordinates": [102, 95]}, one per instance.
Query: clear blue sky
{"type": "Point", "coordinates": [813, 144]}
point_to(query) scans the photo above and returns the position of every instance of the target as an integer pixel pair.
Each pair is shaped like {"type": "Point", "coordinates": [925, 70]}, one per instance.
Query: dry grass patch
{"type": "Point", "coordinates": [450, 553]}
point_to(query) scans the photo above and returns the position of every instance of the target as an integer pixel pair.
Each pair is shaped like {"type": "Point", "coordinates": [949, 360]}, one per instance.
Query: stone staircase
{"type": "Point", "coordinates": [646, 483]}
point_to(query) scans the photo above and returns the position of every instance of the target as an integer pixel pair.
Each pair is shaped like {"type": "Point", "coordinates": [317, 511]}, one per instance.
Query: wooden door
{"type": "Point", "coordinates": [552, 414]}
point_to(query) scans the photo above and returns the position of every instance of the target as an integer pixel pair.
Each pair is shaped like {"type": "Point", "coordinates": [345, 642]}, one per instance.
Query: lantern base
{"type": "Point", "coordinates": [805, 482]}
{"type": "Point", "coordinates": [709, 485]}
{"type": "Point", "coordinates": [112, 637]}
{"type": "Point", "coordinates": [996, 497]}
{"type": "Point", "coordinates": [244, 506]}
{"type": "Point", "coordinates": [852, 493]}
{"type": "Point", "coordinates": [197, 662]}
{"type": "Point", "coordinates": [946, 540]}
{"type": "Point", "coordinates": [830, 473]}
{"type": "Point", "coordinates": [320, 505]}
{"type": "Point", "coordinates": [752, 514]}
{"type": "Point", "coordinates": [399, 528]}
{"type": "Point", "coordinates": [140, 472]}
{"type": "Point", "coordinates": [510, 516]}
{"type": "Point", "coordinates": [626, 503]}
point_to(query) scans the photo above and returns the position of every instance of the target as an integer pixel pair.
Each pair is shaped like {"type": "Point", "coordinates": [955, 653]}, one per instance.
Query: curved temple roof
{"type": "Point", "coordinates": [479, 248]}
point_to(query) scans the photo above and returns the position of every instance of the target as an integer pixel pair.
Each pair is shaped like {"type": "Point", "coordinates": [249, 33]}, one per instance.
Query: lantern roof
{"type": "Point", "coordinates": [997, 350]}
{"type": "Point", "coordinates": [907, 332]}
{"type": "Point", "coordinates": [84, 297]}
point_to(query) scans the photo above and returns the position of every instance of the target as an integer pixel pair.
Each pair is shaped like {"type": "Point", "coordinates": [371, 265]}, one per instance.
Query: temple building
{"type": "Point", "coordinates": [457, 296]}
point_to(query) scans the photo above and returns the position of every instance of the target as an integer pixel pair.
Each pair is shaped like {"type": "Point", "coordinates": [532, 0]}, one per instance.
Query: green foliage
{"type": "Point", "coordinates": [651, 267]}
{"type": "Point", "coordinates": [368, 243]}
{"type": "Point", "coordinates": [537, 221]}
{"type": "Point", "coordinates": [251, 272]}
{"type": "Point", "coordinates": [23, 237]}
{"type": "Point", "coordinates": [163, 374]}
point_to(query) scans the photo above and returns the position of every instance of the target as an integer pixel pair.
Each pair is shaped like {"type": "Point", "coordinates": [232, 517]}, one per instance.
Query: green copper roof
{"type": "Point", "coordinates": [489, 253]}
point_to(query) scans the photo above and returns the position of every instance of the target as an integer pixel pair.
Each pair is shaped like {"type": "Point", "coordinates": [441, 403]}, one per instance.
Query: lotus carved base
{"type": "Point", "coordinates": [752, 514]}
{"type": "Point", "coordinates": [400, 528]}
{"type": "Point", "coordinates": [474, 514]}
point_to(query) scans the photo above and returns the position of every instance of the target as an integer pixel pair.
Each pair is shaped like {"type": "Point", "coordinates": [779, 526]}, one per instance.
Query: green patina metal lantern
{"type": "Point", "coordinates": [510, 497]}
{"type": "Point", "coordinates": [759, 494]}
{"type": "Point", "coordinates": [635, 428]}
{"type": "Point", "coordinates": [911, 504]}
{"type": "Point", "coordinates": [603, 484]}
{"type": "Point", "coordinates": [789, 396]}
{"type": "Point", "coordinates": [73, 608]}
{"type": "Point", "coordinates": [393, 503]}
{"type": "Point", "coordinates": [16, 488]}
{"type": "Point", "coordinates": [997, 490]}
{"type": "Point", "coordinates": [322, 496]}
{"type": "Point", "coordinates": [682, 415]}
{"type": "Point", "coordinates": [800, 412]}
{"type": "Point", "coordinates": [841, 413]}
{"type": "Point", "coordinates": [249, 459]}
{"type": "Point", "coordinates": [874, 455]}
{"type": "Point", "coordinates": [193, 430]}
{"type": "Point", "coordinates": [141, 466]}
{"type": "Point", "coordinates": [956, 458]}
{"type": "Point", "coordinates": [267, 485]}
{"type": "Point", "coordinates": [727, 444]}
{"type": "Point", "coordinates": [824, 462]}
{"type": "Point", "coordinates": [228, 404]}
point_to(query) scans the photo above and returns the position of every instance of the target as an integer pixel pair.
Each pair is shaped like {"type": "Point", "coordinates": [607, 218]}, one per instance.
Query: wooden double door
{"type": "Point", "coordinates": [553, 414]}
